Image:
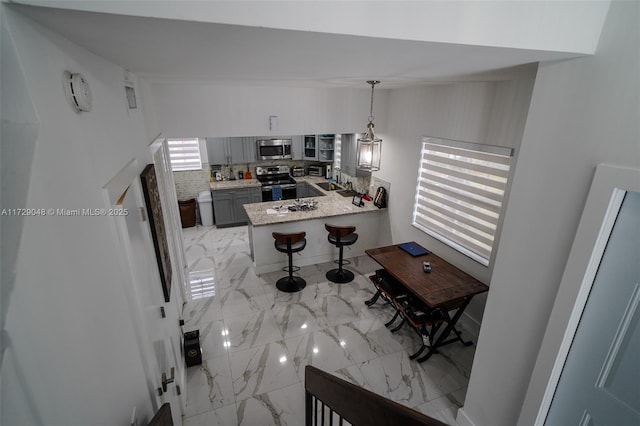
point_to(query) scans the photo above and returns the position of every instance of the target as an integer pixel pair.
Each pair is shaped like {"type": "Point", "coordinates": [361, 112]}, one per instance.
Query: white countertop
{"type": "Point", "coordinates": [231, 184]}
{"type": "Point", "coordinates": [332, 204]}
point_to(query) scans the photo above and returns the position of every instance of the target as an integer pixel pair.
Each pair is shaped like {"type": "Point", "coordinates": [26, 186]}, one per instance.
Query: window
{"type": "Point", "coordinates": [459, 194]}
{"type": "Point", "coordinates": [184, 154]}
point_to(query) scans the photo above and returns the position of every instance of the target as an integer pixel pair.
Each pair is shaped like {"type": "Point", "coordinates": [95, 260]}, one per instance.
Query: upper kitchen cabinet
{"type": "Point", "coordinates": [348, 160]}
{"type": "Point", "coordinates": [234, 150]}
{"type": "Point", "coordinates": [326, 145]}
{"type": "Point", "coordinates": [319, 147]}
{"type": "Point", "coordinates": [217, 150]}
{"type": "Point", "coordinates": [250, 153]}
{"type": "Point", "coordinates": [310, 147]}
{"type": "Point", "coordinates": [296, 147]}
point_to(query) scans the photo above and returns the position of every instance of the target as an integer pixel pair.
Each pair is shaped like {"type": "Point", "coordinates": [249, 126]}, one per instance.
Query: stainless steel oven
{"type": "Point", "coordinates": [273, 149]}
{"type": "Point", "coordinates": [276, 183]}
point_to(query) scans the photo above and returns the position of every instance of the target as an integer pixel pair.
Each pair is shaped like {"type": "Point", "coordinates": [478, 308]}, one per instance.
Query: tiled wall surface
{"type": "Point", "coordinates": [190, 183]}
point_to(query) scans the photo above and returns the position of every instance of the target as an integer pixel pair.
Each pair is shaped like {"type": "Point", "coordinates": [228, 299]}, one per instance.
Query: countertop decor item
{"type": "Point", "coordinates": [369, 146]}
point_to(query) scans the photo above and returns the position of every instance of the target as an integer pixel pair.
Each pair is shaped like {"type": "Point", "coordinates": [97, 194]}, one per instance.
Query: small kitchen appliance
{"type": "Point", "coordinates": [297, 171]}
{"type": "Point", "coordinates": [315, 171]}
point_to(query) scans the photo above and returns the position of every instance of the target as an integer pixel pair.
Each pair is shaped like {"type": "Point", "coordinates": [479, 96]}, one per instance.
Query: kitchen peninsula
{"type": "Point", "coordinates": [265, 218]}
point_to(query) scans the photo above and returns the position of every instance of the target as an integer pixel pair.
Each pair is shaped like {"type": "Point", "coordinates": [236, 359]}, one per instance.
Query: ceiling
{"type": "Point", "coordinates": [214, 52]}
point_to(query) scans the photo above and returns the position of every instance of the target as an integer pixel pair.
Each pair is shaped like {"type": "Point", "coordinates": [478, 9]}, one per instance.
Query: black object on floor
{"type": "Point", "coordinates": [192, 349]}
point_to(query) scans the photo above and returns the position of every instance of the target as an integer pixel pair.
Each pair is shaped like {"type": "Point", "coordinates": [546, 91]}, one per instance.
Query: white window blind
{"type": "Point", "coordinates": [184, 154]}
{"type": "Point", "coordinates": [459, 194]}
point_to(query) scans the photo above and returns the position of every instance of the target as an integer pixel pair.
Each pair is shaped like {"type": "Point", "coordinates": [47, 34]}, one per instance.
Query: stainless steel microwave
{"type": "Point", "coordinates": [273, 149]}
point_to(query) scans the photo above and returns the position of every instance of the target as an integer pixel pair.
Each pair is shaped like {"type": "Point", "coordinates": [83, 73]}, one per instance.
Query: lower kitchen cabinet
{"type": "Point", "coordinates": [304, 190]}
{"type": "Point", "coordinates": [227, 205]}
{"type": "Point", "coordinates": [301, 190]}
{"type": "Point", "coordinates": [313, 191]}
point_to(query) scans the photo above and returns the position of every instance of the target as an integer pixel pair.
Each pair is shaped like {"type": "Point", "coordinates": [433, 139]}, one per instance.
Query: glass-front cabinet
{"type": "Point", "coordinates": [310, 145]}
{"type": "Point", "coordinates": [325, 147]}
{"type": "Point", "coordinates": [319, 147]}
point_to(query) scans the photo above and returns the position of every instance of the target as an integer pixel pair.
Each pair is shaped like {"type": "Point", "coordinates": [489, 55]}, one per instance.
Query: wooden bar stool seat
{"type": "Point", "coordinates": [290, 243]}
{"type": "Point", "coordinates": [341, 236]}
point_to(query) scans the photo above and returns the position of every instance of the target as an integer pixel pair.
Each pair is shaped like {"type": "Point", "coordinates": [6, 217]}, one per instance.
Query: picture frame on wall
{"type": "Point", "coordinates": [156, 221]}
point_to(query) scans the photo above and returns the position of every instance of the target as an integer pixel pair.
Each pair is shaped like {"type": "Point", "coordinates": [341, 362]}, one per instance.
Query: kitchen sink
{"type": "Point", "coordinates": [347, 192]}
{"type": "Point", "coordinates": [329, 186]}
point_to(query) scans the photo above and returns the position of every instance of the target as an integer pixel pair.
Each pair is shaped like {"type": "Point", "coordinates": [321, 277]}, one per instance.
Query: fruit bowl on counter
{"type": "Point", "coordinates": [303, 205]}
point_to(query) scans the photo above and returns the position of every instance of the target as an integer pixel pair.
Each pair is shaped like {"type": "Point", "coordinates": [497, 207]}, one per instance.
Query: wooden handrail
{"type": "Point", "coordinates": [356, 405]}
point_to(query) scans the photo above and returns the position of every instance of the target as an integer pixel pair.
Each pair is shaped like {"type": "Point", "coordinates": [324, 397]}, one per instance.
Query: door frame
{"type": "Point", "coordinates": [159, 150]}
{"type": "Point", "coordinates": [608, 188]}
{"type": "Point", "coordinates": [112, 192]}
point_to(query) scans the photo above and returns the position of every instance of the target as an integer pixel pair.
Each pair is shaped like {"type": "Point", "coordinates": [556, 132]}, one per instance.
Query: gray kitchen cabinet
{"type": "Point", "coordinates": [223, 207]}
{"type": "Point", "coordinates": [217, 150]}
{"type": "Point", "coordinates": [305, 189]}
{"type": "Point", "coordinates": [228, 204]}
{"type": "Point", "coordinates": [255, 194]}
{"type": "Point", "coordinates": [348, 159]}
{"type": "Point", "coordinates": [319, 147]}
{"type": "Point", "coordinates": [241, 197]}
{"type": "Point", "coordinates": [312, 191]}
{"type": "Point", "coordinates": [236, 151]}
{"type": "Point", "coordinates": [301, 189]}
{"type": "Point", "coordinates": [296, 147]}
{"type": "Point", "coordinates": [250, 155]}
{"type": "Point", "coordinates": [326, 147]}
{"type": "Point", "coordinates": [229, 150]}
{"type": "Point", "coordinates": [310, 147]}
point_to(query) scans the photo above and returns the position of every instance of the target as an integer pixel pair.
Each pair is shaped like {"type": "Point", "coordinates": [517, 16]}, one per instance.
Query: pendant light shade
{"type": "Point", "coordinates": [369, 145]}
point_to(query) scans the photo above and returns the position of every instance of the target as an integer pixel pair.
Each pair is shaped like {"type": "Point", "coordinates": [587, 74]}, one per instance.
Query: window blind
{"type": "Point", "coordinates": [184, 154]}
{"type": "Point", "coordinates": [459, 194]}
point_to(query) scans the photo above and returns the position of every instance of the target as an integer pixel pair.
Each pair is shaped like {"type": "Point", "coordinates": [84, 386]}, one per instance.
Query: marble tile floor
{"type": "Point", "coordinates": [257, 340]}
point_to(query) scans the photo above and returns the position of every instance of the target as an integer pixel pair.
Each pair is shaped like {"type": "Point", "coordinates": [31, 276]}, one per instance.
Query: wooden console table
{"type": "Point", "coordinates": [444, 289]}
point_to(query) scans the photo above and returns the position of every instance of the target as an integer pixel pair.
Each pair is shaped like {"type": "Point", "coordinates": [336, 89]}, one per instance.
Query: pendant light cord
{"type": "Point", "coordinates": [372, 83]}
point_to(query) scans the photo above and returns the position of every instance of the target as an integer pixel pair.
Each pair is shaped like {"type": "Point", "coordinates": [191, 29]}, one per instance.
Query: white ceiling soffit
{"type": "Point", "coordinates": [549, 25]}
{"type": "Point", "coordinates": [225, 53]}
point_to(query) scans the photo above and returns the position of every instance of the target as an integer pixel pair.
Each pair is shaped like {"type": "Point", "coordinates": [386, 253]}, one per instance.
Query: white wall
{"type": "Point", "coordinates": [492, 113]}
{"type": "Point", "coordinates": [72, 358]}
{"type": "Point", "coordinates": [182, 108]}
{"type": "Point", "coordinates": [583, 112]}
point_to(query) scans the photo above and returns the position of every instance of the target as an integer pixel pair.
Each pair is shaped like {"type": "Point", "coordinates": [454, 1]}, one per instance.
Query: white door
{"type": "Point", "coordinates": [600, 380]}
{"type": "Point", "coordinates": [153, 328]}
{"type": "Point", "coordinates": [173, 226]}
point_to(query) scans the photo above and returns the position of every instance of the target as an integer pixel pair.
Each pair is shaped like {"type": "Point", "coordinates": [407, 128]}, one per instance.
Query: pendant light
{"type": "Point", "coordinates": [369, 146]}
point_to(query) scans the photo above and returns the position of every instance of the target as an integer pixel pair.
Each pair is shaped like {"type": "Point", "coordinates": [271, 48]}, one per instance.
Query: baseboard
{"type": "Point", "coordinates": [469, 325]}
{"type": "Point", "coordinates": [462, 418]}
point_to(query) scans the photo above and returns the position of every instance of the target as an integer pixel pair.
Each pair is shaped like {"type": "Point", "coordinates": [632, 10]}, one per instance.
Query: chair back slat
{"type": "Point", "coordinates": [340, 231]}
{"type": "Point", "coordinates": [292, 238]}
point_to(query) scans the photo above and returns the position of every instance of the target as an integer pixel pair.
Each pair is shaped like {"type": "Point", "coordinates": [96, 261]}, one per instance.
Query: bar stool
{"type": "Point", "coordinates": [290, 243]}
{"type": "Point", "coordinates": [341, 236]}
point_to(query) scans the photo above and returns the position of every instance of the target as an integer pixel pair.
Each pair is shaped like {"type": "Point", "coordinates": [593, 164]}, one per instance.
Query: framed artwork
{"type": "Point", "coordinates": [156, 222]}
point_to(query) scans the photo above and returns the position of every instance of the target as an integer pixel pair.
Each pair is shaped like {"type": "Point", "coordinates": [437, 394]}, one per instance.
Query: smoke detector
{"type": "Point", "coordinates": [78, 92]}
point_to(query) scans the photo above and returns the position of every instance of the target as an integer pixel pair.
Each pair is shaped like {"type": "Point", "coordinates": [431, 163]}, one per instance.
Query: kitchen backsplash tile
{"type": "Point", "coordinates": [359, 183]}
{"type": "Point", "coordinates": [190, 183]}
